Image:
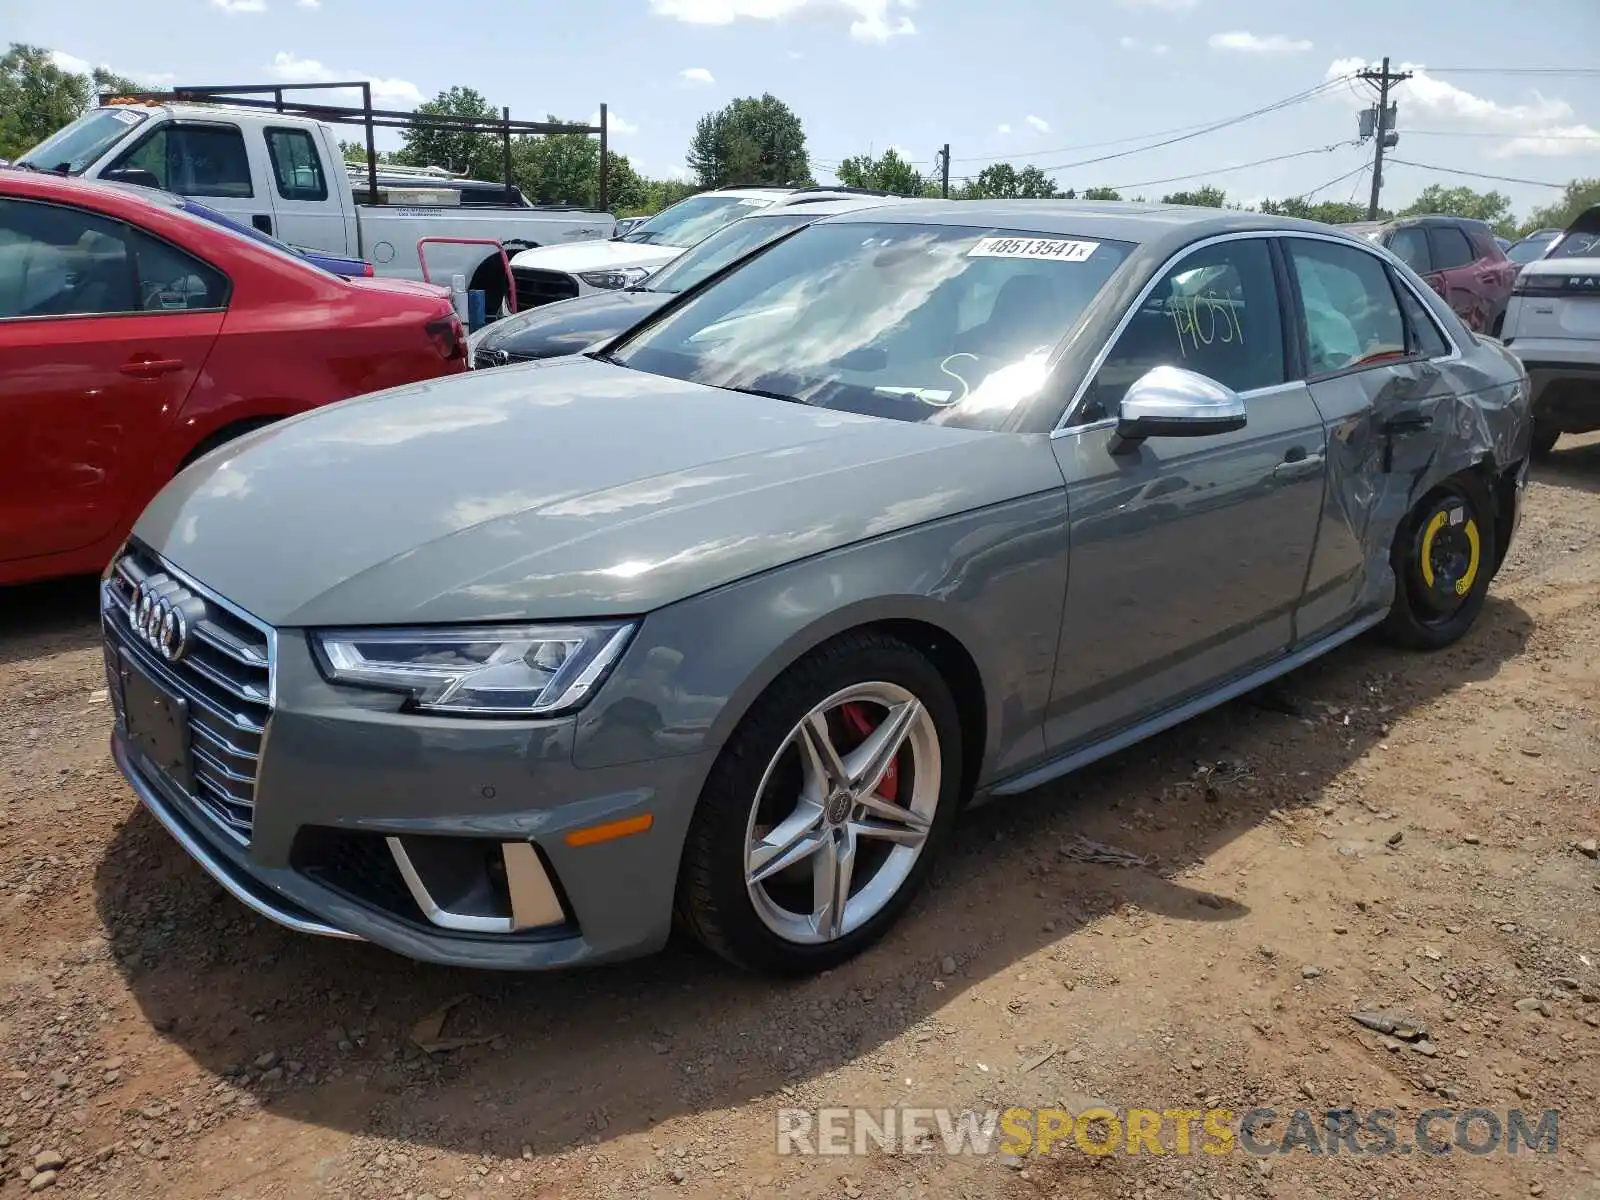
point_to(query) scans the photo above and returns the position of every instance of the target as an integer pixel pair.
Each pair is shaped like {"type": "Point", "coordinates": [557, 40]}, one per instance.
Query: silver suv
{"type": "Point", "coordinates": [1553, 326]}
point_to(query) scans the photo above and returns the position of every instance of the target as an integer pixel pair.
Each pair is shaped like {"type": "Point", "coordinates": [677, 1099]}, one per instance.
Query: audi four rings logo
{"type": "Point", "coordinates": [158, 615]}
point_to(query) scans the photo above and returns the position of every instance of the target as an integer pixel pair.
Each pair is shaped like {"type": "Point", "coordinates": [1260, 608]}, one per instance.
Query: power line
{"type": "Point", "coordinates": [1573, 137]}
{"type": "Point", "coordinates": [1186, 130]}
{"type": "Point", "coordinates": [1239, 167]}
{"type": "Point", "coordinates": [1477, 174]}
{"type": "Point", "coordinates": [1511, 70]}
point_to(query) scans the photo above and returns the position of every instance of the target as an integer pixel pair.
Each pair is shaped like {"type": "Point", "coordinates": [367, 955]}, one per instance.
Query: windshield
{"type": "Point", "coordinates": [945, 324]}
{"type": "Point", "coordinates": [687, 221]}
{"type": "Point", "coordinates": [1529, 248]}
{"type": "Point", "coordinates": [722, 247]}
{"type": "Point", "coordinates": [78, 145]}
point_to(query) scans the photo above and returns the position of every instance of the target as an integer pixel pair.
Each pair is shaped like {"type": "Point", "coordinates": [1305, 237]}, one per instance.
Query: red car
{"type": "Point", "coordinates": [135, 337]}
{"type": "Point", "coordinates": [1460, 260]}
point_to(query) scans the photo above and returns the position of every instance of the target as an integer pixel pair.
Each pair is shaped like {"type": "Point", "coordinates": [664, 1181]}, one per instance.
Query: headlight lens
{"type": "Point", "coordinates": [614, 280]}
{"type": "Point", "coordinates": [524, 671]}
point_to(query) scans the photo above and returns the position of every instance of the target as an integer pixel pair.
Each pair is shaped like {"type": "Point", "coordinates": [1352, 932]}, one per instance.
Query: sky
{"type": "Point", "coordinates": [1498, 89]}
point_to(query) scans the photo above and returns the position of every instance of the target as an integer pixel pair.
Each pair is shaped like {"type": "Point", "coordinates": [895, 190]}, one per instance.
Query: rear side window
{"type": "Point", "coordinates": [1410, 246]}
{"type": "Point", "coordinates": [296, 166]}
{"type": "Point", "coordinates": [1215, 312]}
{"type": "Point", "coordinates": [1450, 248]}
{"type": "Point", "coordinates": [1351, 314]}
{"type": "Point", "coordinates": [171, 280]}
{"type": "Point", "coordinates": [194, 160]}
{"type": "Point", "coordinates": [1426, 339]}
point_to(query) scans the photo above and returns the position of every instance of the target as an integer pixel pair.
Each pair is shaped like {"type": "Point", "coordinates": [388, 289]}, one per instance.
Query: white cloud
{"type": "Point", "coordinates": [1133, 43]}
{"type": "Point", "coordinates": [1160, 5]}
{"type": "Point", "coordinates": [288, 67]}
{"type": "Point", "coordinates": [696, 75]}
{"type": "Point", "coordinates": [240, 6]}
{"type": "Point", "coordinates": [795, 55]}
{"type": "Point", "coordinates": [308, 3]}
{"type": "Point", "coordinates": [70, 63]}
{"type": "Point", "coordinates": [870, 20]}
{"type": "Point", "coordinates": [74, 65]}
{"type": "Point", "coordinates": [1252, 43]}
{"type": "Point", "coordinates": [1038, 123]}
{"type": "Point", "coordinates": [1543, 125]}
{"type": "Point", "coordinates": [615, 124]}
{"type": "Point", "coordinates": [1003, 129]}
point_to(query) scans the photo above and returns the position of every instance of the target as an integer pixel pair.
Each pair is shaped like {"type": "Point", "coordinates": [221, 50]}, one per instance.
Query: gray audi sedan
{"type": "Point", "coordinates": [720, 625]}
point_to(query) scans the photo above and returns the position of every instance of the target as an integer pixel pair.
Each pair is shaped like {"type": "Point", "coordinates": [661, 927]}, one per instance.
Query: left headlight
{"type": "Point", "coordinates": [616, 279]}
{"type": "Point", "coordinates": [522, 671]}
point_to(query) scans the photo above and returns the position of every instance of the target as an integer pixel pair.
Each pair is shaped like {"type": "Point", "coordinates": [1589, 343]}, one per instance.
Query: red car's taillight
{"type": "Point", "coordinates": [366, 269]}
{"type": "Point", "coordinates": [447, 336]}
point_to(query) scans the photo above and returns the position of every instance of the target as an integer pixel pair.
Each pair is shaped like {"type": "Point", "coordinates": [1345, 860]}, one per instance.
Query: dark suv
{"type": "Point", "coordinates": [1460, 260]}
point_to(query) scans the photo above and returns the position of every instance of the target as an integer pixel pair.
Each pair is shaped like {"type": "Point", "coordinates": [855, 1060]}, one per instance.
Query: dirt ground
{"type": "Point", "coordinates": [1384, 831]}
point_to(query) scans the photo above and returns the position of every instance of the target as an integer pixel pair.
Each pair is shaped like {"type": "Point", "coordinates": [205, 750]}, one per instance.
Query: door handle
{"type": "Point", "coordinates": [1408, 421]}
{"type": "Point", "coordinates": [1298, 468]}
{"type": "Point", "coordinates": [149, 368]}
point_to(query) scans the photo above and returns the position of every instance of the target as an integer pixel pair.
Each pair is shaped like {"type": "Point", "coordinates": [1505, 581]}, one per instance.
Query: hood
{"type": "Point", "coordinates": [569, 326]}
{"type": "Point", "coordinates": [595, 255]}
{"type": "Point", "coordinates": [556, 490]}
{"type": "Point", "coordinates": [1586, 265]}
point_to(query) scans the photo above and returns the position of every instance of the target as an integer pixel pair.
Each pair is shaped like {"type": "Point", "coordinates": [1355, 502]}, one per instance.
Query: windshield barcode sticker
{"type": "Point", "coordinates": [1059, 249]}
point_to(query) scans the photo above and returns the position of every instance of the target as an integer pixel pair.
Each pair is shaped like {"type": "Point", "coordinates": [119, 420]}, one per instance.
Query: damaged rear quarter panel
{"type": "Point", "coordinates": [1396, 432]}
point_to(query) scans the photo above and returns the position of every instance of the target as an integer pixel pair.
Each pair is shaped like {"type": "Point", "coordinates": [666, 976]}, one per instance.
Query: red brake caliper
{"type": "Point", "coordinates": [860, 724]}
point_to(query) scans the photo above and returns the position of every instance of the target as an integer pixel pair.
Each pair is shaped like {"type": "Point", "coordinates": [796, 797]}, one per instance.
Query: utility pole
{"type": "Point", "coordinates": [944, 171]}
{"type": "Point", "coordinates": [1382, 127]}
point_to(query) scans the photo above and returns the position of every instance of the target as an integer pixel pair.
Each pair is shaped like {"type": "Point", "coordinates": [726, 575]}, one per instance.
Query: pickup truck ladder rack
{"type": "Point", "coordinates": [253, 96]}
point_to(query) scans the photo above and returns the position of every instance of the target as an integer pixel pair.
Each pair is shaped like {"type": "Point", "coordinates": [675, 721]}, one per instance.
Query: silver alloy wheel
{"type": "Point", "coordinates": [857, 846]}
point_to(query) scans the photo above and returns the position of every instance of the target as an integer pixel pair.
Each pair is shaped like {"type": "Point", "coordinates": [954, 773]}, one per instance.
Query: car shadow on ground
{"type": "Point", "coordinates": [319, 1030]}
{"type": "Point", "coordinates": [1572, 464]}
{"type": "Point", "coordinates": [48, 618]}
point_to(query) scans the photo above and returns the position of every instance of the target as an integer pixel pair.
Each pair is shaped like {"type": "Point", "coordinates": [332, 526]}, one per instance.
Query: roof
{"type": "Point", "coordinates": [1113, 220]}
{"type": "Point", "coordinates": [828, 207]}
{"type": "Point", "coordinates": [91, 193]}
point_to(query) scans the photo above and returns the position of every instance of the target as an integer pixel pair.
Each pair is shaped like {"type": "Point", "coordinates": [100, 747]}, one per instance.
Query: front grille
{"type": "Point", "coordinates": [224, 676]}
{"type": "Point", "coordinates": [542, 287]}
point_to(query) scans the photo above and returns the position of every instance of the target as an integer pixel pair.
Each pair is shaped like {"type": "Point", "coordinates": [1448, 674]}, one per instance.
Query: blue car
{"type": "Point", "coordinates": [336, 263]}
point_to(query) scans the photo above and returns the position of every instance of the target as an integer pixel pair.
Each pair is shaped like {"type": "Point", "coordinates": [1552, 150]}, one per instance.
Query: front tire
{"type": "Point", "coordinates": [1443, 559]}
{"type": "Point", "coordinates": [825, 810]}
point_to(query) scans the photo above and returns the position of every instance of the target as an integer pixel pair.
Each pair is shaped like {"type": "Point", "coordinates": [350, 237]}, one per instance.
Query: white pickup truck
{"type": "Point", "coordinates": [284, 174]}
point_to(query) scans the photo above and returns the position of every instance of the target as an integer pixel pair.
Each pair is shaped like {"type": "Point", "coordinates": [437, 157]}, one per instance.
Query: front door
{"type": "Point", "coordinates": [207, 160]}
{"type": "Point", "coordinates": [1189, 556]}
{"type": "Point", "coordinates": [308, 215]}
{"type": "Point", "coordinates": [1462, 281]}
{"type": "Point", "coordinates": [102, 333]}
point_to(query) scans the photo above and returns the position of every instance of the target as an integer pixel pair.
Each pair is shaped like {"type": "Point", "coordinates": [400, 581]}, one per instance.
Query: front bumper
{"type": "Point", "coordinates": [349, 768]}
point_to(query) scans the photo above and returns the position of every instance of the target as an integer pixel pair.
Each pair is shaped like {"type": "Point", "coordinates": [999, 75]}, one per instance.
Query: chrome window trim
{"type": "Point", "coordinates": [1382, 254]}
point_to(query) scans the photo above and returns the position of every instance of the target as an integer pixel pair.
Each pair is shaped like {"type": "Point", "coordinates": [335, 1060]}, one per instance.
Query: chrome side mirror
{"type": "Point", "coordinates": [1174, 402]}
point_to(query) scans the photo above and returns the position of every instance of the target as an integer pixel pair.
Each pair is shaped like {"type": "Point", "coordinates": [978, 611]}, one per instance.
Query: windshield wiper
{"type": "Point", "coordinates": [784, 396]}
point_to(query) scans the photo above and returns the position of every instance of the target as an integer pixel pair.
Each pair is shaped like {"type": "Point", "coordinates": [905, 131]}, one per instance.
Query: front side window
{"type": "Point", "coordinates": [296, 166]}
{"type": "Point", "coordinates": [875, 318]}
{"type": "Point", "coordinates": [1450, 248]}
{"type": "Point", "coordinates": [1352, 316]}
{"type": "Point", "coordinates": [721, 248]}
{"type": "Point", "coordinates": [194, 160]}
{"type": "Point", "coordinates": [687, 221]}
{"type": "Point", "coordinates": [1426, 338]}
{"type": "Point", "coordinates": [63, 262]}
{"type": "Point", "coordinates": [1410, 246]}
{"type": "Point", "coordinates": [1216, 312]}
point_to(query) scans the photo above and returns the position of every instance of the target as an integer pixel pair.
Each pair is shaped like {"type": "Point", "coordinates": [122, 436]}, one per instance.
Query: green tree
{"type": "Point", "coordinates": [1206, 197]}
{"type": "Point", "coordinates": [37, 97]}
{"type": "Point", "coordinates": [1330, 212]}
{"type": "Point", "coordinates": [1002, 181]}
{"type": "Point", "coordinates": [1493, 208]}
{"type": "Point", "coordinates": [475, 154]}
{"type": "Point", "coordinates": [1101, 193]}
{"type": "Point", "coordinates": [564, 168]}
{"type": "Point", "coordinates": [750, 140]}
{"type": "Point", "coordinates": [888, 173]}
{"type": "Point", "coordinates": [1580, 195]}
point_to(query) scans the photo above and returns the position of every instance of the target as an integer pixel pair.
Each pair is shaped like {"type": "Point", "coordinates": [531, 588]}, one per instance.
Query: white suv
{"type": "Point", "coordinates": [546, 274]}
{"type": "Point", "coordinates": [1553, 325]}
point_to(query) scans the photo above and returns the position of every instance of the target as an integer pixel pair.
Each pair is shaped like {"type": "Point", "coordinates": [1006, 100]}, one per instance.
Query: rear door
{"type": "Point", "coordinates": [103, 330]}
{"type": "Point", "coordinates": [1409, 244]}
{"type": "Point", "coordinates": [1375, 361]}
{"type": "Point", "coordinates": [304, 198]}
{"type": "Point", "coordinates": [1465, 287]}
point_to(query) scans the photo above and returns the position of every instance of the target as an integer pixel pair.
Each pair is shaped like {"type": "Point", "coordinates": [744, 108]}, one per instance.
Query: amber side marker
{"type": "Point", "coordinates": [610, 831]}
